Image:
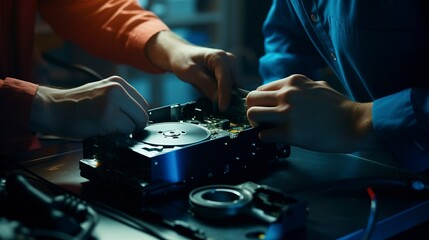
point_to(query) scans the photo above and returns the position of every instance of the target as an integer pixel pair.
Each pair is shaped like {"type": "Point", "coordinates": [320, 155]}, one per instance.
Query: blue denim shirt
{"type": "Point", "coordinates": [378, 50]}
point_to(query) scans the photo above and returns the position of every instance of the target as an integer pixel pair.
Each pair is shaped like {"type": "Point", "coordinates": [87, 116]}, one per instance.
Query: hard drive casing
{"type": "Point", "coordinates": [233, 149]}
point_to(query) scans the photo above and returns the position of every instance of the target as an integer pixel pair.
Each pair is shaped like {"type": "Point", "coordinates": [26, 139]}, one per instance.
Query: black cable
{"type": "Point", "coordinates": [79, 209]}
{"type": "Point", "coordinates": [64, 214]}
{"type": "Point", "coordinates": [127, 220]}
{"type": "Point", "coordinates": [73, 67]}
{"type": "Point", "coordinates": [102, 208]}
{"type": "Point", "coordinates": [417, 185]}
{"type": "Point", "coordinates": [177, 226]}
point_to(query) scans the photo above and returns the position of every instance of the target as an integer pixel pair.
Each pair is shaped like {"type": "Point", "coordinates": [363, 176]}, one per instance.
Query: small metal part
{"type": "Point", "coordinates": [199, 114]}
{"type": "Point", "coordinates": [241, 92]}
{"type": "Point", "coordinates": [152, 148]}
{"type": "Point", "coordinates": [225, 124]}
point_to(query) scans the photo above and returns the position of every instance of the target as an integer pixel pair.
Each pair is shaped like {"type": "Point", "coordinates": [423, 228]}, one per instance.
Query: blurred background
{"type": "Point", "coordinates": [234, 26]}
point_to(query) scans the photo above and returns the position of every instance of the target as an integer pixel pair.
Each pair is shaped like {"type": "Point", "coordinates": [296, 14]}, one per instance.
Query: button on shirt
{"type": "Point", "coordinates": [377, 50]}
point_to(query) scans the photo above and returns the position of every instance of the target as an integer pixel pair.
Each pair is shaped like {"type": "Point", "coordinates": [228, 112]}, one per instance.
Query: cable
{"type": "Point", "coordinates": [372, 214]}
{"type": "Point", "coordinates": [65, 213]}
{"type": "Point", "coordinates": [102, 208]}
{"type": "Point", "coordinates": [79, 209]}
{"type": "Point", "coordinates": [417, 185]}
{"type": "Point", "coordinates": [72, 67]}
{"type": "Point", "coordinates": [177, 226]}
{"type": "Point", "coordinates": [127, 220]}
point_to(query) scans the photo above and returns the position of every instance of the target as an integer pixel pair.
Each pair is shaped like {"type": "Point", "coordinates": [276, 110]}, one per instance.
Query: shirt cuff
{"type": "Point", "coordinates": [393, 115]}
{"type": "Point", "coordinates": [16, 97]}
{"type": "Point", "coordinates": [395, 122]}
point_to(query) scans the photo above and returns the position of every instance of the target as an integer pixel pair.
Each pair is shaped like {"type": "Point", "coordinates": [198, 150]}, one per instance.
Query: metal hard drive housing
{"type": "Point", "coordinates": [232, 149]}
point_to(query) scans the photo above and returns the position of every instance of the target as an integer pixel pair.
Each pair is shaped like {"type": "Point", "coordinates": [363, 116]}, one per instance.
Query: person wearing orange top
{"type": "Point", "coordinates": [117, 30]}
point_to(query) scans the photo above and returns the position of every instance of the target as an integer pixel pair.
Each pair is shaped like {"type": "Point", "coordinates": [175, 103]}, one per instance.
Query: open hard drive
{"type": "Point", "coordinates": [184, 145]}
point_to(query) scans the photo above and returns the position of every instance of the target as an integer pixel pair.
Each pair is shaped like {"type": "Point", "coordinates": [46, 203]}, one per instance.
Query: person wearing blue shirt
{"type": "Point", "coordinates": [377, 49]}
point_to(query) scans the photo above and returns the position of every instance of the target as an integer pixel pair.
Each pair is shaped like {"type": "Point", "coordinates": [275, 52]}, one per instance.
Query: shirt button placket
{"type": "Point", "coordinates": [333, 56]}
{"type": "Point", "coordinates": [315, 19]}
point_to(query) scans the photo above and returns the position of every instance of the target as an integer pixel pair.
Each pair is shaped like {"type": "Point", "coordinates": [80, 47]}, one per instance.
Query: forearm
{"type": "Point", "coordinates": [363, 129]}
{"type": "Point", "coordinates": [162, 46]}
{"type": "Point", "coordinates": [108, 106]}
{"type": "Point", "coordinates": [116, 30]}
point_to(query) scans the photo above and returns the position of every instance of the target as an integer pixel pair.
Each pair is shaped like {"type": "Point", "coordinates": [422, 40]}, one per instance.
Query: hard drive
{"type": "Point", "coordinates": [184, 145]}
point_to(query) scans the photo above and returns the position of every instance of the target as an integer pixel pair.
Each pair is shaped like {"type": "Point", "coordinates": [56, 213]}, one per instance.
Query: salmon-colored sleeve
{"type": "Point", "coordinates": [117, 30]}
{"type": "Point", "coordinates": [16, 97]}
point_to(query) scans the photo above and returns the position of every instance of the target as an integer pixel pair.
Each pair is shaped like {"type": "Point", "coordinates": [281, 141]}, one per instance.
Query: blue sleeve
{"type": "Point", "coordinates": [402, 120]}
{"type": "Point", "coordinates": [288, 49]}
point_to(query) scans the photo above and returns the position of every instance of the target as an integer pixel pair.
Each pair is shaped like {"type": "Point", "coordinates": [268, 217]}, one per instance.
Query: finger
{"type": "Point", "coordinates": [207, 85]}
{"type": "Point", "coordinates": [131, 91]}
{"type": "Point", "coordinates": [267, 115]}
{"type": "Point", "coordinates": [292, 80]}
{"type": "Point", "coordinates": [272, 86]}
{"type": "Point", "coordinates": [113, 123]}
{"type": "Point", "coordinates": [122, 124]}
{"type": "Point", "coordinates": [261, 98]}
{"type": "Point", "coordinates": [129, 106]}
{"type": "Point", "coordinates": [324, 83]}
{"type": "Point", "coordinates": [225, 73]}
{"type": "Point", "coordinates": [224, 89]}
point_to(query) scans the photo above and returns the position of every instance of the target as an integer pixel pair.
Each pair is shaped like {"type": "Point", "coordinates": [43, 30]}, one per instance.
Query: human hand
{"type": "Point", "coordinates": [212, 71]}
{"type": "Point", "coordinates": [98, 108]}
{"type": "Point", "coordinates": [310, 114]}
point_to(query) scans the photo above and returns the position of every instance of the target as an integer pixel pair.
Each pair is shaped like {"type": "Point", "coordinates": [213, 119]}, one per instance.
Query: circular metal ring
{"type": "Point", "coordinates": [220, 201]}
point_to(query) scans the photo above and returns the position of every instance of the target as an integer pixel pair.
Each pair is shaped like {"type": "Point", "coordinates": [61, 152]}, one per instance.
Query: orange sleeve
{"type": "Point", "coordinates": [116, 30]}
{"type": "Point", "coordinates": [16, 97]}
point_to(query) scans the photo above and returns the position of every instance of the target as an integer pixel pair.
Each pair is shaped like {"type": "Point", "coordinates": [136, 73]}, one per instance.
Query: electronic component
{"type": "Point", "coordinates": [280, 212]}
{"type": "Point", "coordinates": [184, 145]}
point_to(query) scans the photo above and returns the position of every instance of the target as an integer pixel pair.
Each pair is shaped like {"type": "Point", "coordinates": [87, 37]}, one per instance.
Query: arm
{"type": "Point", "coordinates": [117, 30]}
{"type": "Point", "coordinates": [121, 31]}
{"type": "Point", "coordinates": [212, 71]}
{"type": "Point", "coordinates": [27, 108]}
{"type": "Point", "coordinates": [332, 122]}
{"type": "Point", "coordinates": [402, 121]}
{"type": "Point", "coordinates": [108, 106]}
{"type": "Point", "coordinates": [312, 115]}
{"type": "Point", "coordinates": [288, 50]}
{"type": "Point", "coordinates": [98, 108]}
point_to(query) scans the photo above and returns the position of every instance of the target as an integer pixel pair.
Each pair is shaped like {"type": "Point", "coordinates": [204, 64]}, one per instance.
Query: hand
{"type": "Point", "coordinates": [310, 114]}
{"type": "Point", "coordinates": [212, 71]}
{"type": "Point", "coordinates": [98, 108]}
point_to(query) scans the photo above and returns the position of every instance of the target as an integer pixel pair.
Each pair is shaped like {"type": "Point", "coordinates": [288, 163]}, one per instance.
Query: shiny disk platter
{"type": "Point", "coordinates": [174, 134]}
